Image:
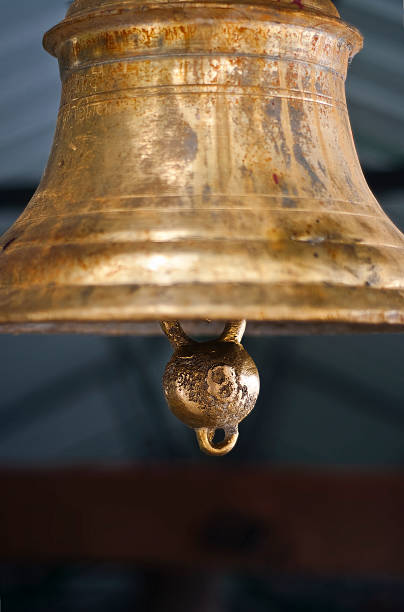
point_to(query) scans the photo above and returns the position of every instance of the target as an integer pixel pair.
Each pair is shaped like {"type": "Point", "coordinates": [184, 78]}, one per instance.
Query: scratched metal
{"type": "Point", "coordinates": [211, 385]}
{"type": "Point", "coordinates": [203, 168]}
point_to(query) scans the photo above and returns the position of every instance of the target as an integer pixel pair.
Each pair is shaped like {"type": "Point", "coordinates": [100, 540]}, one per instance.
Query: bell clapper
{"type": "Point", "coordinates": [211, 385]}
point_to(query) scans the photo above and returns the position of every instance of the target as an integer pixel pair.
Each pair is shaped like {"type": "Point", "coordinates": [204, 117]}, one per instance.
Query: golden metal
{"type": "Point", "coordinates": [203, 167]}
{"type": "Point", "coordinates": [211, 385]}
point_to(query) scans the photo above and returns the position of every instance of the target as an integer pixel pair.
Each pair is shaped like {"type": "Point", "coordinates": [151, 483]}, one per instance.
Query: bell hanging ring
{"type": "Point", "coordinates": [211, 385]}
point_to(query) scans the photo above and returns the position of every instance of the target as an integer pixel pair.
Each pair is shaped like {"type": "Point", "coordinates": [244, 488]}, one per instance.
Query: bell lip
{"type": "Point", "coordinates": [276, 308]}
{"type": "Point", "coordinates": [75, 24]}
{"type": "Point", "coordinates": [197, 328]}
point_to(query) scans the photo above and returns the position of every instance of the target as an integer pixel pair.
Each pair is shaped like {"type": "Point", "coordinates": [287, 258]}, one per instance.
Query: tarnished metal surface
{"type": "Point", "coordinates": [203, 168]}
{"type": "Point", "coordinates": [212, 385]}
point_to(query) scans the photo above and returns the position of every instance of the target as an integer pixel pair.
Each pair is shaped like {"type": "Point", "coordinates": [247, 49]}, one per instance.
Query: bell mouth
{"type": "Point", "coordinates": [270, 309]}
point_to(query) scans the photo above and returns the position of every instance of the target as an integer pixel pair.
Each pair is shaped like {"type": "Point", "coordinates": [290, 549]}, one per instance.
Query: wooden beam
{"type": "Point", "coordinates": [329, 524]}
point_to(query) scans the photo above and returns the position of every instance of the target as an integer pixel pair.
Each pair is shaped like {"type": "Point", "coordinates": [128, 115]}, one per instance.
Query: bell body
{"type": "Point", "coordinates": [203, 167]}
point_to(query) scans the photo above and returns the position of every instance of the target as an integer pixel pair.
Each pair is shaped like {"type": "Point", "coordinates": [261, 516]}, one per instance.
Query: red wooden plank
{"type": "Point", "coordinates": [331, 524]}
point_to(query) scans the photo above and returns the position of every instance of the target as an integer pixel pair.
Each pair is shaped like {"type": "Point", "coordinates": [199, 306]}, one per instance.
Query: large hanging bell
{"type": "Point", "coordinates": [203, 167]}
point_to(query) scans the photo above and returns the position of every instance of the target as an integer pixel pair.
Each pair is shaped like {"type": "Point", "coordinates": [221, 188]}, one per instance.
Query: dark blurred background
{"type": "Point", "coordinates": [326, 402]}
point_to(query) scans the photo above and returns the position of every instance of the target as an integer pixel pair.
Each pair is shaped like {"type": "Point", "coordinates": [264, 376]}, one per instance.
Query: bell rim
{"type": "Point", "coordinates": [286, 309]}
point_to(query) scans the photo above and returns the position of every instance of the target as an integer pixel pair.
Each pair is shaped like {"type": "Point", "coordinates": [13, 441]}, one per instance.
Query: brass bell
{"type": "Point", "coordinates": [203, 167]}
{"type": "Point", "coordinates": [211, 385]}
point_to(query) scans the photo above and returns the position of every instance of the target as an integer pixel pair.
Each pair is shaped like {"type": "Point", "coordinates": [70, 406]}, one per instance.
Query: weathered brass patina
{"type": "Point", "coordinates": [203, 167]}
{"type": "Point", "coordinates": [211, 385]}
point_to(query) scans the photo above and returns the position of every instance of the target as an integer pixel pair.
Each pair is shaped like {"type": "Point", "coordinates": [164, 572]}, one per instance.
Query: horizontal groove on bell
{"type": "Point", "coordinates": [165, 263]}
{"type": "Point", "coordinates": [141, 225]}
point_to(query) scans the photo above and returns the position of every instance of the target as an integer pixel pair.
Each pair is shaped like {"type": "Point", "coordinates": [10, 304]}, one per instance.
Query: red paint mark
{"type": "Point", "coordinates": [298, 3]}
{"type": "Point", "coordinates": [276, 178]}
